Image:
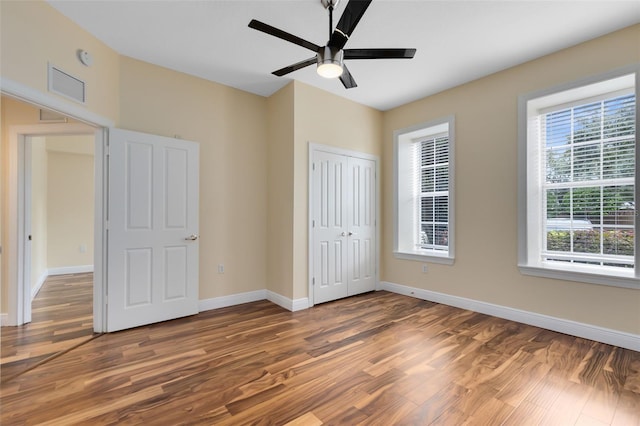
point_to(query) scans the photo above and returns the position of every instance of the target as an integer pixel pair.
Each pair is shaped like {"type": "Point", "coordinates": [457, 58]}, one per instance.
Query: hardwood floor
{"type": "Point", "coordinates": [62, 317]}
{"type": "Point", "coordinates": [375, 359]}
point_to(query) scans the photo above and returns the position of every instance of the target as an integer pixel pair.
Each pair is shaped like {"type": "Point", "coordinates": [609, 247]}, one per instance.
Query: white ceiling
{"type": "Point", "coordinates": [456, 40]}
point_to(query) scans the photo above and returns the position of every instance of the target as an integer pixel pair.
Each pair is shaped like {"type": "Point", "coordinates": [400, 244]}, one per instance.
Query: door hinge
{"type": "Point", "coordinates": [313, 166]}
{"type": "Point", "coordinates": [313, 281]}
{"type": "Point", "coordinates": [313, 223]}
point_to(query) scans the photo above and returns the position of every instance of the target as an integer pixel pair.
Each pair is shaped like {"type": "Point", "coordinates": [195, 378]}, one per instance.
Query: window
{"type": "Point", "coordinates": [577, 188]}
{"type": "Point", "coordinates": [424, 213]}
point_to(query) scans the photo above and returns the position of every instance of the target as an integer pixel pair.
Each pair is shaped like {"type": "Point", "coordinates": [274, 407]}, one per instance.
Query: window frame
{"type": "Point", "coordinates": [529, 225]}
{"type": "Point", "coordinates": [406, 217]}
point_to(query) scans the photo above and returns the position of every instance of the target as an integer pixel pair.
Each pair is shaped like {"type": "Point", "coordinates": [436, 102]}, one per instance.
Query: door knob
{"type": "Point", "coordinates": [352, 233]}
{"type": "Point", "coordinates": [344, 234]}
{"type": "Point", "coordinates": [192, 237]}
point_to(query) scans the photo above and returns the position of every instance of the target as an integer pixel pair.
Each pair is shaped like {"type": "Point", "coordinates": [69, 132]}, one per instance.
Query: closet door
{"type": "Point", "coordinates": [343, 221]}
{"type": "Point", "coordinates": [361, 226]}
{"type": "Point", "coordinates": [329, 227]}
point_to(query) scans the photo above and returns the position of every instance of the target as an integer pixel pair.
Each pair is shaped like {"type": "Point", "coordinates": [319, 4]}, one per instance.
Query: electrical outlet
{"type": "Point", "coordinates": [221, 268]}
{"type": "Point", "coordinates": [425, 269]}
{"type": "Point", "coordinates": [82, 248]}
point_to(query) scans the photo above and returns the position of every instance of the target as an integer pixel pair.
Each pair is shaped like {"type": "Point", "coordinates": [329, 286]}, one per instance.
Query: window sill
{"type": "Point", "coordinates": [614, 278]}
{"type": "Point", "coordinates": [430, 257]}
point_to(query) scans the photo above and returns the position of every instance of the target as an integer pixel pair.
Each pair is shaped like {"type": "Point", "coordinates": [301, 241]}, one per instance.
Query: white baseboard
{"type": "Point", "coordinates": [232, 300]}
{"type": "Point", "coordinates": [573, 328]}
{"type": "Point", "coordinates": [35, 289]}
{"type": "Point", "coordinates": [253, 296]}
{"type": "Point", "coordinates": [64, 270]}
{"type": "Point", "coordinates": [288, 304]}
{"type": "Point", "coordinates": [4, 320]}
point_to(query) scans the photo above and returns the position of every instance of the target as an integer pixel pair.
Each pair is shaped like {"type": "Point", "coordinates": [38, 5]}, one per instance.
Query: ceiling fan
{"type": "Point", "coordinates": [330, 58]}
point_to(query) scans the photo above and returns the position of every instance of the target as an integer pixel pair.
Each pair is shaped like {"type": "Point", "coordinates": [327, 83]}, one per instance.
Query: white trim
{"type": "Point", "coordinates": [313, 146]}
{"type": "Point", "coordinates": [581, 276]}
{"type": "Point", "coordinates": [36, 288]}
{"type": "Point", "coordinates": [285, 302]}
{"type": "Point", "coordinates": [573, 328]}
{"type": "Point", "coordinates": [25, 93]}
{"type": "Point", "coordinates": [4, 320]}
{"type": "Point", "coordinates": [308, 302]}
{"type": "Point", "coordinates": [231, 300]}
{"type": "Point", "coordinates": [19, 287]}
{"type": "Point", "coordinates": [401, 139]}
{"type": "Point", "coordinates": [64, 270]}
{"type": "Point", "coordinates": [430, 258]}
{"type": "Point", "coordinates": [253, 296]}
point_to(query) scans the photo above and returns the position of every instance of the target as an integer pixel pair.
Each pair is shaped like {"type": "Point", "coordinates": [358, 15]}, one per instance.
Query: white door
{"type": "Point", "coordinates": [152, 272]}
{"type": "Point", "coordinates": [343, 226]}
{"type": "Point", "coordinates": [361, 226]}
{"type": "Point", "coordinates": [330, 254]}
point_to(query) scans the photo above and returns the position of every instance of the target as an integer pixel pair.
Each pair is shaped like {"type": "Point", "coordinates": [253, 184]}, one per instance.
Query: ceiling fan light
{"type": "Point", "coordinates": [330, 62]}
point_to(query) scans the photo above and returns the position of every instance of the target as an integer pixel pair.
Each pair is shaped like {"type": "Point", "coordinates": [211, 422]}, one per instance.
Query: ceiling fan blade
{"type": "Point", "coordinates": [347, 79]}
{"type": "Point", "coordinates": [266, 28]}
{"type": "Point", "coordinates": [296, 66]}
{"type": "Point", "coordinates": [347, 23]}
{"type": "Point", "coordinates": [379, 53]}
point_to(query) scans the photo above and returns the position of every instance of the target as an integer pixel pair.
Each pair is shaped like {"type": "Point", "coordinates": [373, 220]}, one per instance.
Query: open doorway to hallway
{"type": "Point", "coordinates": [58, 247]}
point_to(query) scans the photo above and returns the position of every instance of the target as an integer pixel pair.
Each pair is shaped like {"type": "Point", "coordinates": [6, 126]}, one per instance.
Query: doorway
{"type": "Point", "coordinates": [20, 126]}
{"type": "Point", "coordinates": [59, 219]}
{"type": "Point", "coordinates": [59, 203]}
{"type": "Point", "coordinates": [51, 206]}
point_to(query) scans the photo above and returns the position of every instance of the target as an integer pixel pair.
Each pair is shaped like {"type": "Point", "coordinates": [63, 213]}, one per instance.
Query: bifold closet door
{"type": "Point", "coordinates": [344, 226]}
{"type": "Point", "coordinates": [361, 226]}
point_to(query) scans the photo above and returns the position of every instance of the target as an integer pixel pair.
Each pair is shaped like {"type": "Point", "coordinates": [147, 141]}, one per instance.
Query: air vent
{"type": "Point", "coordinates": [66, 85]}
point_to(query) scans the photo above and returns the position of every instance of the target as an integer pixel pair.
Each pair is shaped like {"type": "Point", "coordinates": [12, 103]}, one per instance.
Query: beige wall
{"type": "Point", "coordinates": [70, 201]}
{"type": "Point", "coordinates": [13, 113]}
{"type": "Point", "coordinates": [39, 209]}
{"type": "Point", "coordinates": [231, 127]}
{"type": "Point", "coordinates": [33, 34]}
{"type": "Point", "coordinates": [321, 117]}
{"type": "Point", "coordinates": [486, 191]}
{"type": "Point", "coordinates": [299, 114]}
{"type": "Point", "coordinates": [280, 125]}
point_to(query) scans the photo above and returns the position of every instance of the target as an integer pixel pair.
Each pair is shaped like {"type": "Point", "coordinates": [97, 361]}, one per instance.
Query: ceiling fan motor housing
{"type": "Point", "coordinates": [330, 62]}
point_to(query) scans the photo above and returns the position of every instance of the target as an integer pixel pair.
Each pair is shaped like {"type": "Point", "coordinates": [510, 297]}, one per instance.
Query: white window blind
{"type": "Point", "coordinates": [433, 192]}
{"type": "Point", "coordinates": [589, 203]}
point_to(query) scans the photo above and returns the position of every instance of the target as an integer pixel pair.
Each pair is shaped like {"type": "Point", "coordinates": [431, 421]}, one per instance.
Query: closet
{"type": "Point", "coordinates": [343, 224]}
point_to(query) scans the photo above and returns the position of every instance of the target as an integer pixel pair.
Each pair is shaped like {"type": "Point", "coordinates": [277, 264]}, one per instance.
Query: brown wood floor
{"type": "Point", "coordinates": [378, 358]}
{"type": "Point", "coordinates": [62, 317]}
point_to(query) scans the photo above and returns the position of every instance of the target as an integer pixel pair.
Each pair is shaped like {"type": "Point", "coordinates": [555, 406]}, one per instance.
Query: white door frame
{"type": "Point", "coordinates": [18, 297]}
{"type": "Point", "coordinates": [313, 147]}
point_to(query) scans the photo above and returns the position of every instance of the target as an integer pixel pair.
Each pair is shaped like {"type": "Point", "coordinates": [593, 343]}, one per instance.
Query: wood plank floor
{"type": "Point", "coordinates": [62, 317]}
{"type": "Point", "coordinates": [375, 359]}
